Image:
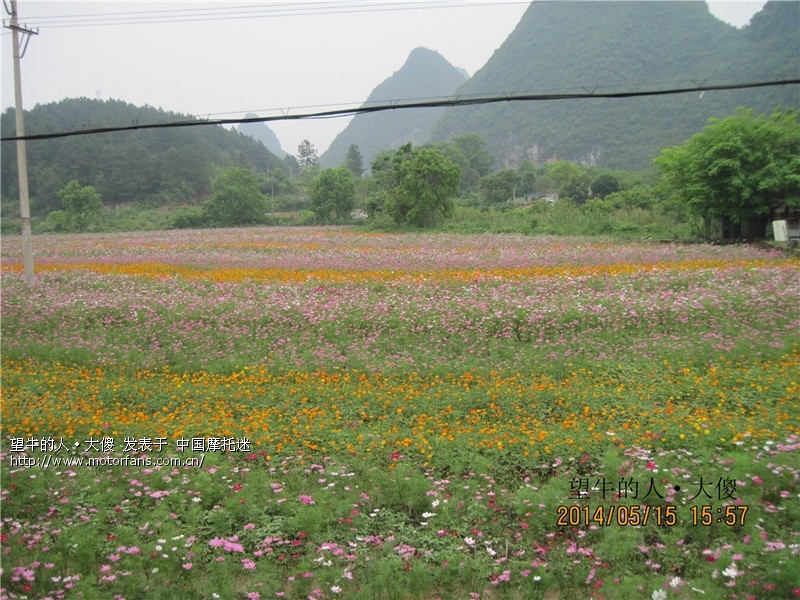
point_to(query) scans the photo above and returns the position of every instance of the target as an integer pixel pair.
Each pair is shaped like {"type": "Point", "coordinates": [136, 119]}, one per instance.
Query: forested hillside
{"type": "Point", "coordinates": [426, 74]}
{"type": "Point", "coordinates": [158, 165]}
{"type": "Point", "coordinates": [612, 46]}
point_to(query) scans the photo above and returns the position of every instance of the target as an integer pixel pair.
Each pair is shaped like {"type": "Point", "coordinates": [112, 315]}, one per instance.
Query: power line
{"type": "Point", "coordinates": [403, 105]}
{"type": "Point", "coordinates": [251, 11]}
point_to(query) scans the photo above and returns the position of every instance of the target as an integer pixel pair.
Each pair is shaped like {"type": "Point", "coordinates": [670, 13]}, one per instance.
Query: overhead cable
{"type": "Point", "coordinates": [251, 11]}
{"type": "Point", "coordinates": [404, 105]}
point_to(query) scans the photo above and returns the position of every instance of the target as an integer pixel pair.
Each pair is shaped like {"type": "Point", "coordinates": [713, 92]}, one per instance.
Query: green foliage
{"type": "Point", "coordinates": [500, 186]}
{"type": "Point", "coordinates": [355, 161]}
{"type": "Point", "coordinates": [595, 218]}
{"type": "Point", "coordinates": [421, 183]}
{"type": "Point", "coordinates": [306, 154]}
{"type": "Point", "coordinates": [469, 152]}
{"type": "Point", "coordinates": [737, 169]}
{"type": "Point", "coordinates": [236, 200]}
{"type": "Point", "coordinates": [82, 209]}
{"type": "Point", "coordinates": [333, 195]}
{"type": "Point", "coordinates": [571, 180]}
{"type": "Point", "coordinates": [192, 217]}
{"type": "Point", "coordinates": [604, 185]}
{"type": "Point", "coordinates": [157, 165]}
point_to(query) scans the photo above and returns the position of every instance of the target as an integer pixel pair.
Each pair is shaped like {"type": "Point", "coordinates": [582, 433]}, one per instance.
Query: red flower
{"type": "Point", "coordinates": [237, 487]}
{"type": "Point", "coordinates": [710, 558]}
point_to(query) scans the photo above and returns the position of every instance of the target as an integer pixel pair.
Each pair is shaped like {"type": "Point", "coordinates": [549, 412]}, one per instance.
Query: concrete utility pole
{"type": "Point", "coordinates": [22, 159]}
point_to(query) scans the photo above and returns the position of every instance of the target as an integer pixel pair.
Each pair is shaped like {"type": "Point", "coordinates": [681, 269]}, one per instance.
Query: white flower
{"type": "Point", "coordinates": [731, 571]}
{"type": "Point", "coordinates": [335, 589]}
{"type": "Point", "coordinates": [428, 515]}
{"type": "Point", "coordinates": [435, 503]}
{"type": "Point", "coordinates": [675, 582]}
{"type": "Point", "coordinates": [659, 595]}
{"type": "Point", "coordinates": [469, 541]}
{"type": "Point", "coordinates": [537, 577]}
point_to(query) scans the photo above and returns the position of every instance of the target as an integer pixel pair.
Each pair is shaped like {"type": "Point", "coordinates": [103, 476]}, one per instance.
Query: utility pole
{"type": "Point", "coordinates": [22, 159]}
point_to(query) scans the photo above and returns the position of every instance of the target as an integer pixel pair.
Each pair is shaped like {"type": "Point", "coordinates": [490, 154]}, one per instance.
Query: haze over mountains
{"type": "Point", "coordinates": [556, 47]}
{"type": "Point", "coordinates": [426, 74]}
{"type": "Point", "coordinates": [262, 133]}
{"type": "Point", "coordinates": [600, 45]}
{"type": "Point", "coordinates": [584, 46]}
{"type": "Point", "coordinates": [580, 46]}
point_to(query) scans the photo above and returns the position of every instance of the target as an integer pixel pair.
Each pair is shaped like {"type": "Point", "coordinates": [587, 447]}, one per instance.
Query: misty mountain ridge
{"type": "Point", "coordinates": [425, 74]}
{"type": "Point", "coordinates": [604, 45]}
{"type": "Point", "coordinates": [262, 133]}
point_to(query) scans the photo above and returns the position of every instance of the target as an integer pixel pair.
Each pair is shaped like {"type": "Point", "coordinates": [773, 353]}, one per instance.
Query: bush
{"type": "Point", "coordinates": [193, 217]}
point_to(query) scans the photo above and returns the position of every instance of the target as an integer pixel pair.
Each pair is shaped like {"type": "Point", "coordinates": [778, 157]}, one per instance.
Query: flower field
{"type": "Point", "coordinates": [322, 413]}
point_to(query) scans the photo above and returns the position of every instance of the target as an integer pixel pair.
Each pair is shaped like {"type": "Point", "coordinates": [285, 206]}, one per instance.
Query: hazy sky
{"type": "Point", "coordinates": [224, 59]}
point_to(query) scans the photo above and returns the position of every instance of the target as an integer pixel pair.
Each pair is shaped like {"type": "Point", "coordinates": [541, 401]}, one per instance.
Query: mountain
{"type": "Point", "coordinates": [146, 165]}
{"type": "Point", "coordinates": [614, 46]}
{"type": "Point", "coordinates": [262, 133]}
{"type": "Point", "coordinates": [425, 74]}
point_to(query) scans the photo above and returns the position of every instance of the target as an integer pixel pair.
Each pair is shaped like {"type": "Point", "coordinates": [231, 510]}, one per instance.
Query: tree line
{"type": "Point", "coordinates": [724, 181]}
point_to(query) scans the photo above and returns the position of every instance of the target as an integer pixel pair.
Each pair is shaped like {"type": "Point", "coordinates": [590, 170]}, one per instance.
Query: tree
{"type": "Point", "coordinates": [355, 161]}
{"type": "Point", "coordinates": [236, 200]}
{"type": "Point", "coordinates": [306, 154]}
{"type": "Point", "coordinates": [333, 194]}
{"type": "Point", "coordinates": [500, 186]}
{"type": "Point", "coordinates": [526, 174]}
{"type": "Point", "coordinates": [604, 185]}
{"type": "Point", "coordinates": [737, 169]}
{"type": "Point", "coordinates": [83, 207]}
{"type": "Point", "coordinates": [572, 181]}
{"type": "Point", "coordinates": [426, 182]}
{"type": "Point", "coordinates": [469, 152]}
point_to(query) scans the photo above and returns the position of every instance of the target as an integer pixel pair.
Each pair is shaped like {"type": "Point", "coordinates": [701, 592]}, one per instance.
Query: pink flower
{"type": "Point", "coordinates": [186, 566]}
{"type": "Point", "coordinates": [305, 499]}
{"type": "Point", "coordinates": [248, 564]}
{"type": "Point", "coordinates": [232, 546]}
